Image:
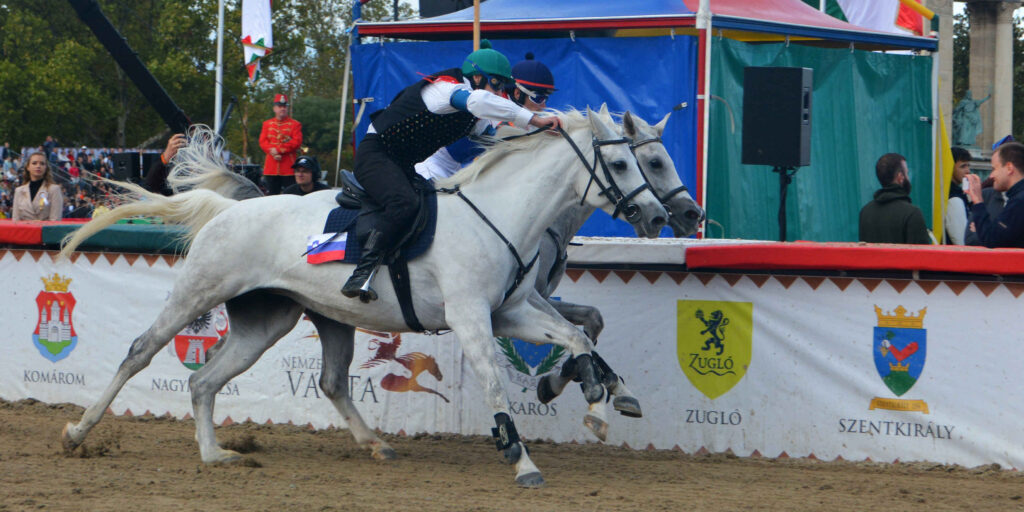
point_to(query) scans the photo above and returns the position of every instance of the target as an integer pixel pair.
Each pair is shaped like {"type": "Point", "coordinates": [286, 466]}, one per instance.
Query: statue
{"type": "Point", "coordinates": [967, 120]}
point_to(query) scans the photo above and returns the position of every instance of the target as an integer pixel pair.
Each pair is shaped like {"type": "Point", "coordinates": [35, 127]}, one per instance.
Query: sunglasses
{"type": "Point", "coordinates": [535, 96]}
{"type": "Point", "coordinates": [496, 82]}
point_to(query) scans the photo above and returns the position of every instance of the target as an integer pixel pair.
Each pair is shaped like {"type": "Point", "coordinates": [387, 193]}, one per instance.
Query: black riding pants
{"type": "Point", "coordinates": [389, 185]}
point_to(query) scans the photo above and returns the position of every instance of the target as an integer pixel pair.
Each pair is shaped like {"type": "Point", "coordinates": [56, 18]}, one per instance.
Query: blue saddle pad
{"type": "Point", "coordinates": [344, 220]}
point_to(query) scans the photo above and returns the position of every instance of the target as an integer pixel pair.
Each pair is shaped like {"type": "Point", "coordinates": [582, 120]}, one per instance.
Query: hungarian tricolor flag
{"type": "Point", "coordinates": [257, 39]}
{"type": "Point", "coordinates": [899, 16]}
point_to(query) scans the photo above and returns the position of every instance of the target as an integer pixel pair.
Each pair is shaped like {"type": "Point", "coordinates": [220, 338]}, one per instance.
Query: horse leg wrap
{"type": "Point", "coordinates": [504, 434]}
{"type": "Point", "coordinates": [605, 373]}
{"type": "Point", "coordinates": [593, 391]}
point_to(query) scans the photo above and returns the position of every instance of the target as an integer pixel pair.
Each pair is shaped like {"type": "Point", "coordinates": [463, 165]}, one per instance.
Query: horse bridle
{"type": "Point", "coordinates": [620, 201]}
{"type": "Point", "coordinates": [671, 193]}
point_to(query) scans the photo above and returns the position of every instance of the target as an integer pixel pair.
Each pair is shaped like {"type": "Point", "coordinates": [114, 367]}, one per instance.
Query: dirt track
{"type": "Point", "coordinates": [149, 463]}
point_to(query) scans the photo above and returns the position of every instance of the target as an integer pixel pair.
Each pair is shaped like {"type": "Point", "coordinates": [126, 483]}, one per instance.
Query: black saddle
{"type": "Point", "coordinates": [413, 243]}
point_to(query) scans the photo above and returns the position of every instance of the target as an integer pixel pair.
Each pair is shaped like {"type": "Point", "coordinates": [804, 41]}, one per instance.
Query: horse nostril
{"type": "Point", "coordinates": [692, 214]}
{"type": "Point", "coordinates": [632, 212]}
{"type": "Point", "coordinates": [658, 221]}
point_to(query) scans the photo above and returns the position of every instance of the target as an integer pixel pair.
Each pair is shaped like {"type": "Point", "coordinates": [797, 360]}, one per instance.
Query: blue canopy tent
{"type": "Point", "coordinates": [645, 56]}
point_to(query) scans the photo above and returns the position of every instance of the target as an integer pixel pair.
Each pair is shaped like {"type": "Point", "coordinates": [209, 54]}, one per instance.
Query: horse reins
{"type": "Point", "coordinates": [612, 192]}
{"type": "Point", "coordinates": [671, 193]}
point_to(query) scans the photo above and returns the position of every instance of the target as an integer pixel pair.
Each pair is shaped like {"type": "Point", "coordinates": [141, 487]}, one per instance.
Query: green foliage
{"type": "Point", "coordinates": [59, 80]}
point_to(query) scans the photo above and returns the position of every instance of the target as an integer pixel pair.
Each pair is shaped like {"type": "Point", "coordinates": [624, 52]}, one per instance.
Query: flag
{"type": "Point", "coordinates": [942, 177]}
{"type": "Point", "coordinates": [897, 16]}
{"type": "Point", "coordinates": [325, 247]}
{"type": "Point", "coordinates": [257, 39]}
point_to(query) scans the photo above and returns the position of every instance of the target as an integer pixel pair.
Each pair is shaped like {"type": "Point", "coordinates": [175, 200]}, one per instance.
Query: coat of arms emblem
{"type": "Point", "coordinates": [714, 341]}
{"type": "Point", "coordinates": [899, 349]}
{"type": "Point", "coordinates": [190, 345]}
{"type": "Point", "coordinates": [55, 335]}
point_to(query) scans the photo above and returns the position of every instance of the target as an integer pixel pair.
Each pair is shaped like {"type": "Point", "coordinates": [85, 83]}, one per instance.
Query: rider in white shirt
{"type": "Point", "coordinates": [424, 117]}
{"type": "Point", "coordinates": [533, 84]}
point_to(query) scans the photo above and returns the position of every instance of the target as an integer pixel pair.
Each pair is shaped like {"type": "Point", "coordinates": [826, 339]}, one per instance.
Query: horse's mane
{"type": "Point", "coordinates": [498, 149]}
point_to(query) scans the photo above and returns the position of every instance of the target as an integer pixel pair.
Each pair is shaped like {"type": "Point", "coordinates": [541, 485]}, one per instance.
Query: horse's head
{"type": "Point", "coordinates": [620, 186]}
{"type": "Point", "coordinates": [657, 166]}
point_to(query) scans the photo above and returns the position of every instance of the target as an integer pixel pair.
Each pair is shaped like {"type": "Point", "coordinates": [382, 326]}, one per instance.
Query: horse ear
{"type": "Point", "coordinates": [598, 126]}
{"type": "Point", "coordinates": [660, 127]}
{"type": "Point", "coordinates": [628, 125]}
{"type": "Point", "coordinates": [604, 110]}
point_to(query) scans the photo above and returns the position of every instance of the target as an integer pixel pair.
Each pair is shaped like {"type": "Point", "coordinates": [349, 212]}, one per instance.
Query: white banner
{"type": "Point", "coordinates": [798, 365]}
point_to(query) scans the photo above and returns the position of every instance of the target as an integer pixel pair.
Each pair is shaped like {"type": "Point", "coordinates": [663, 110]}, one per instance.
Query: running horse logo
{"type": "Point", "coordinates": [415, 362]}
{"type": "Point", "coordinates": [715, 327]}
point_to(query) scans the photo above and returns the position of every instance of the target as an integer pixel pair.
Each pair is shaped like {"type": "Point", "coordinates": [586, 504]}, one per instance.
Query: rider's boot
{"type": "Point", "coordinates": [358, 285]}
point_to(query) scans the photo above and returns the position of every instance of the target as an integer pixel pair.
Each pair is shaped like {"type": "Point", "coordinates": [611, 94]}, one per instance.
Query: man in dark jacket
{"type": "Point", "coordinates": [890, 218]}
{"type": "Point", "coordinates": [1007, 228]}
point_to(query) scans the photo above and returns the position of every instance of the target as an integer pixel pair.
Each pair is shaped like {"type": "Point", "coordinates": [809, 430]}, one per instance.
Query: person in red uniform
{"type": "Point", "coordinates": [280, 139]}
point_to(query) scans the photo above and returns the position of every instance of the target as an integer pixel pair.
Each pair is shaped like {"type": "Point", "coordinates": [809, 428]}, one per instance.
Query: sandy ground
{"type": "Point", "coordinates": [149, 463]}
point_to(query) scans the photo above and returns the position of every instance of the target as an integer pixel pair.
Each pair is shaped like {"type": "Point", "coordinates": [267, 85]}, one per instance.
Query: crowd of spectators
{"type": "Point", "coordinates": [77, 170]}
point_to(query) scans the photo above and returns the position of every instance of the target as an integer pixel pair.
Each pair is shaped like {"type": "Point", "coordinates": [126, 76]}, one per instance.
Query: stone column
{"type": "Point", "coordinates": [992, 66]}
{"type": "Point", "coordinates": [944, 10]}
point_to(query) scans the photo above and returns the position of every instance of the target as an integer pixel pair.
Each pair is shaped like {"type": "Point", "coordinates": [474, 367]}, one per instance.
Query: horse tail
{"type": "Point", "coordinates": [199, 165]}
{"type": "Point", "coordinates": [190, 209]}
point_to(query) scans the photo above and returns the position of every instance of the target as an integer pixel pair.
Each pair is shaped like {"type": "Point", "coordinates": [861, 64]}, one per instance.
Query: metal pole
{"type": "Point", "coordinates": [476, 25]}
{"type": "Point", "coordinates": [219, 90]}
{"type": "Point", "coordinates": [341, 119]}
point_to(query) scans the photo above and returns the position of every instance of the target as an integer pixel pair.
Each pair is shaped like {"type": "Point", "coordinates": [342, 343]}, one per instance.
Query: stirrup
{"type": "Point", "coordinates": [366, 294]}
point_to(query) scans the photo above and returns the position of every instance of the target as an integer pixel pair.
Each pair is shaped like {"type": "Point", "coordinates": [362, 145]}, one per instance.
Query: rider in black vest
{"type": "Point", "coordinates": [424, 117]}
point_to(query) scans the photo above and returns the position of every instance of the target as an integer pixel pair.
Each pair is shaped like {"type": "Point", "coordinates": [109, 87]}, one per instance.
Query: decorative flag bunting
{"type": "Point", "coordinates": [257, 38]}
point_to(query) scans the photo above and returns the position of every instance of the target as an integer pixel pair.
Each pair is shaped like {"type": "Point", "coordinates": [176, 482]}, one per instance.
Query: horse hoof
{"type": "Point", "coordinates": [66, 439]}
{"type": "Point", "coordinates": [384, 453]}
{"type": "Point", "coordinates": [628, 406]}
{"type": "Point", "coordinates": [530, 480]}
{"type": "Point", "coordinates": [226, 458]}
{"type": "Point", "coordinates": [596, 425]}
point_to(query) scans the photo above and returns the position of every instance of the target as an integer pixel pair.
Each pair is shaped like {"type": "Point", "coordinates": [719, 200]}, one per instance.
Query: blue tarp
{"type": "Point", "coordinates": [647, 76]}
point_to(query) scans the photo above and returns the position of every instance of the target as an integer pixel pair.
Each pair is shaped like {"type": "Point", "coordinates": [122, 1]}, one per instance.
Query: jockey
{"type": "Point", "coordinates": [424, 117]}
{"type": "Point", "coordinates": [533, 84]}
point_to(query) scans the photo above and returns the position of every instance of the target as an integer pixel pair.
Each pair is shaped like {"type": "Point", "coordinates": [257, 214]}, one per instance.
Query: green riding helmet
{"type": "Point", "coordinates": [490, 63]}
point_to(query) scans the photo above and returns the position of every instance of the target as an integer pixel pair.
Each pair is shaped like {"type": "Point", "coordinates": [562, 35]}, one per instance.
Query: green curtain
{"type": "Point", "coordinates": [864, 104]}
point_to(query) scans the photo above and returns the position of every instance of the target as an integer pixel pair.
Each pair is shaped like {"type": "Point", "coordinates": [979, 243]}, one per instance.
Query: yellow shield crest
{"type": "Point", "coordinates": [713, 343]}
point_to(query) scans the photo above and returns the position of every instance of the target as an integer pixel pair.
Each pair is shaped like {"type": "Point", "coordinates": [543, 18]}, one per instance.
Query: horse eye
{"type": "Point", "coordinates": [619, 165]}
{"type": "Point", "coordinates": [655, 163]}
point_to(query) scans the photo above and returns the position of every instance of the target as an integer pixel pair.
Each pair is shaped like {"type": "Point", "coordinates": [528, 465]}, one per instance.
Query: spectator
{"type": "Point", "coordinates": [307, 177]}
{"type": "Point", "coordinates": [890, 217]}
{"type": "Point", "coordinates": [5, 152]}
{"type": "Point", "coordinates": [280, 139]}
{"type": "Point", "coordinates": [956, 206]}
{"type": "Point", "coordinates": [156, 178]}
{"type": "Point", "coordinates": [994, 204]}
{"type": "Point", "coordinates": [48, 148]}
{"type": "Point", "coordinates": [1007, 228]}
{"type": "Point", "coordinates": [39, 198]}
{"type": "Point", "coordinates": [74, 173]}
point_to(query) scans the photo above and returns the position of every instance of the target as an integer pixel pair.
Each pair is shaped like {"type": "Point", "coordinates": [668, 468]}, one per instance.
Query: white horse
{"type": "Point", "coordinates": [685, 216]}
{"type": "Point", "coordinates": [460, 283]}
{"type": "Point", "coordinates": [198, 166]}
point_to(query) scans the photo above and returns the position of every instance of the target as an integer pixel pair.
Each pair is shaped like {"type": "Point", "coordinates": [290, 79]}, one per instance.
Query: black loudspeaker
{"type": "Point", "coordinates": [431, 8]}
{"type": "Point", "coordinates": [147, 162]}
{"type": "Point", "coordinates": [126, 166]}
{"type": "Point", "coordinates": [777, 116]}
{"type": "Point", "coordinates": [254, 172]}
